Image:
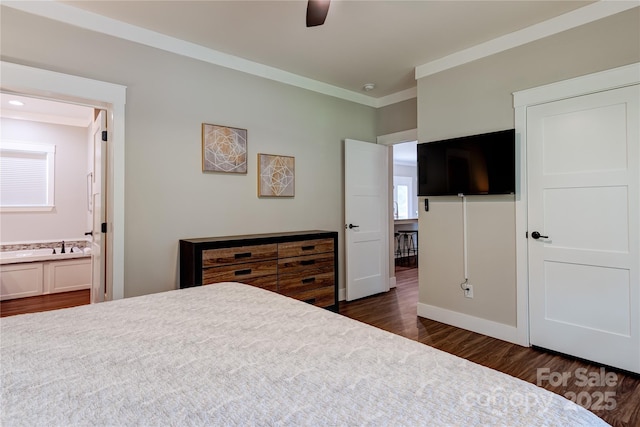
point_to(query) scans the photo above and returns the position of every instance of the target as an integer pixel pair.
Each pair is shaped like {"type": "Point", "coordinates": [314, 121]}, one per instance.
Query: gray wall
{"type": "Point", "coordinates": [168, 98]}
{"type": "Point", "coordinates": [476, 98]}
{"type": "Point", "coordinates": [397, 117]}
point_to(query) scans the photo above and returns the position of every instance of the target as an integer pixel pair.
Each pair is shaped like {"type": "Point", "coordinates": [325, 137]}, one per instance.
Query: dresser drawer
{"type": "Point", "coordinates": [290, 285]}
{"type": "Point", "coordinates": [321, 297]}
{"type": "Point", "coordinates": [304, 265]}
{"type": "Point", "coordinates": [215, 257]}
{"type": "Point", "coordinates": [269, 283]}
{"type": "Point", "coordinates": [240, 272]}
{"type": "Point", "coordinates": [304, 247]}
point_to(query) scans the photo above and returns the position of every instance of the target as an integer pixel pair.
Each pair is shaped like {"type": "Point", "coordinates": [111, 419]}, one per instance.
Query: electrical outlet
{"type": "Point", "coordinates": [468, 292]}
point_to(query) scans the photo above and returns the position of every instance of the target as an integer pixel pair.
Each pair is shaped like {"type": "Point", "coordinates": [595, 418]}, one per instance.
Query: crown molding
{"type": "Point", "coordinates": [592, 12]}
{"type": "Point", "coordinates": [394, 98]}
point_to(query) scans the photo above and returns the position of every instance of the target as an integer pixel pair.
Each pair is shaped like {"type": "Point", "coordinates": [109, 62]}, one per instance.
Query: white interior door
{"type": "Point", "coordinates": [583, 185]}
{"type": "Point", "coordinates": [367, 218]}
{"type": "Point", "coordinates": [98, 243]}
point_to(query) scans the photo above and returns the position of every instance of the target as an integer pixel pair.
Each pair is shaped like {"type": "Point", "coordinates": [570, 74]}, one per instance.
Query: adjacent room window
{"type": "Point", "coordinates": [26, 176]}
{"type": "Point", "coordinates": [401, 192]}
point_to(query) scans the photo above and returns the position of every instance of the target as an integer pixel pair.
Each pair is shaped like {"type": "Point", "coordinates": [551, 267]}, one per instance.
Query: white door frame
{"type": "Point", "coordinates": [392, 139]}
{"type": "Point", "coordinates": [584, 85]}
{"type": "Point", "coordinates": [51, 85]}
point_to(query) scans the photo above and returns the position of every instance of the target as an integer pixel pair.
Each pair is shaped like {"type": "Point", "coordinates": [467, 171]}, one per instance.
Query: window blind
{"type": "Point", "coordinates": [25, 177]}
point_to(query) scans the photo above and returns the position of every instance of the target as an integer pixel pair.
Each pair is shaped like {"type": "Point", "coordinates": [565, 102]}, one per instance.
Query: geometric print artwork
{"type": "Point", "coordinates": [224, 149]}
{"type": "Point", "coordinates": [276, 176]}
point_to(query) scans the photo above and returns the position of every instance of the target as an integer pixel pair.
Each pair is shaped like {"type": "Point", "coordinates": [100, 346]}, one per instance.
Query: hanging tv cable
{"type": "Point", "coordinates": [464, 285]}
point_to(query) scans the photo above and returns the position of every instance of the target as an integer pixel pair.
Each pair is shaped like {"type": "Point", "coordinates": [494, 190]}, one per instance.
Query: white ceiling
{"type": "Point", "coordinates": [380, 42]}
{"type": "Point", "coordinates": [42, 110]}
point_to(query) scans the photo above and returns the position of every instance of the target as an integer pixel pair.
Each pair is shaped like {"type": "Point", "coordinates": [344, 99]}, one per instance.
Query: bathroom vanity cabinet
{"type": "Point", "coordinates": [40, 278]}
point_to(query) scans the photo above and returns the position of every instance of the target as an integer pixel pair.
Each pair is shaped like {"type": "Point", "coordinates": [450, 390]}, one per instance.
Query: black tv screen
{"type": "Point", "coordinates": [470, 165]}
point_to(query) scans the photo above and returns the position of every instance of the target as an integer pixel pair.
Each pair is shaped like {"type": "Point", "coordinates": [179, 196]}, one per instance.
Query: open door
{"type": "Point", "coordinates": [366, 218]}
{"type": "Point", "coordinates": [98, 243]}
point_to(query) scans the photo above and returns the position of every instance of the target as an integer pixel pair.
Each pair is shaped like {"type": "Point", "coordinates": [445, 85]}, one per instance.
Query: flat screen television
{"type": "Point", "coordinates": [470, 165]}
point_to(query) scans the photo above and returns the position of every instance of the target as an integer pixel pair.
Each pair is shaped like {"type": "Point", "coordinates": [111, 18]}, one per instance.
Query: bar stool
{"type": "Point", "coordinates": [398, 246]}
{"type": "Point", "coordinates": [409, 246]}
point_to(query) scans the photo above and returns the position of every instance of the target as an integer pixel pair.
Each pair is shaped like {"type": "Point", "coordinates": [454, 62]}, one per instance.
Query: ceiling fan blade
{"type": "Point", "coordinates": [317, 12]}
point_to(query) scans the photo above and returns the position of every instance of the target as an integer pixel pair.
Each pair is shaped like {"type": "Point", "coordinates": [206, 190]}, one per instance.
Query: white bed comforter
{"type": "Point", "coordinates": [231, 354]}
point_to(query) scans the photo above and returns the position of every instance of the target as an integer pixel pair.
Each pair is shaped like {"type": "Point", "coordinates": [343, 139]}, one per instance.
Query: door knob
{"type": "Point", "coordinates": [353, 226]}
{"type": "Point", "coordinates": [537, 235]}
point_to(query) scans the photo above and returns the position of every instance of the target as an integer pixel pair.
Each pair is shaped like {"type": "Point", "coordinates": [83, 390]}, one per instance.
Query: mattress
{"type": "Point", "coordinates": [232, 354]}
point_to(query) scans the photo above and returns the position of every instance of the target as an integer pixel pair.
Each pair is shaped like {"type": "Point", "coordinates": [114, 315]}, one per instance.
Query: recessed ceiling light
{"type": "Point", "coordinates": [16, 102]}
{"type": "Point", "coordinates": [369, 86]}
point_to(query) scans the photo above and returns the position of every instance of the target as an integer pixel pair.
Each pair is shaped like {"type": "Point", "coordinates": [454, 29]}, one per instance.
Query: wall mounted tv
{"type": "Point", "coordinates": [470, 165]}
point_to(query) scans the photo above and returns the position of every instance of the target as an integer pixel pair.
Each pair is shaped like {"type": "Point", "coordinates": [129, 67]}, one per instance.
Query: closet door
{"type": "Point", "coordinates": [583, 226]}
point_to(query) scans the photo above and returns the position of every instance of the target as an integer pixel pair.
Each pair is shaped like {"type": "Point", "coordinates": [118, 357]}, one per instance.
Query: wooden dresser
{"type": "Point", "coordinates": [302, 265]}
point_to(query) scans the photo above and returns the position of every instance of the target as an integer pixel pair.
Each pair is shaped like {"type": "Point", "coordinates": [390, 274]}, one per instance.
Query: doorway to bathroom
{"type": "Point", "coordinates": [45, 84]}
{"type": "Point", "coordinates": [62, 228]}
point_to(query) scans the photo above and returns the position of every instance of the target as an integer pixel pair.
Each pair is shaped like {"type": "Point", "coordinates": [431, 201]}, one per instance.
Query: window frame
{"type": "Point", "coordinates": [405, 181]}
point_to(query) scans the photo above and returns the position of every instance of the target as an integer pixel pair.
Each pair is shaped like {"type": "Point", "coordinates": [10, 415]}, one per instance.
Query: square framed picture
{"type": "Point", "coordinates": [276, 176]}
{"type": "Point", "coordinates": [224, 149]}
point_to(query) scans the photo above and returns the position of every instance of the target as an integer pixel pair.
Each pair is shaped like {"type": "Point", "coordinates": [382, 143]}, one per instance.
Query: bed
{"type": "Point", "coordinates": [233, 354]}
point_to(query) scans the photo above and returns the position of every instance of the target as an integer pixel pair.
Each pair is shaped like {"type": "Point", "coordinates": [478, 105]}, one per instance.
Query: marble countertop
{"type": "Point", "coordinates": [405, 221]}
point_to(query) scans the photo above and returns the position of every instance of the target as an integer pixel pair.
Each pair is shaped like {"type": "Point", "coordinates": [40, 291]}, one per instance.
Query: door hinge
{"type": "Point", "coordinates": [104, 135]}
{"type": "Point", "coordinates": [104, 227]}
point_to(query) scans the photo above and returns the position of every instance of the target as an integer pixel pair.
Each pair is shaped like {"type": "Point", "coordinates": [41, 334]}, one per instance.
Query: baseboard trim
{"type": "Point", "coordinates": [471, 323]}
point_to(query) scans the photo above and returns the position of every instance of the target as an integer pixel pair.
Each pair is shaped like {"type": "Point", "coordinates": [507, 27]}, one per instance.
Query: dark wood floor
{"type": "Point", "coordinates": [396, 311]}
{"type": "Point", "coordinates": [44, 302]}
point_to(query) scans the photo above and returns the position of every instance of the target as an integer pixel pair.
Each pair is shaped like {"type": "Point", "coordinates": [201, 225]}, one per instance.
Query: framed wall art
{"type": "Point", "coordinates": [276, 176]}
{"type": "Point", "coordinates": [224, 149]}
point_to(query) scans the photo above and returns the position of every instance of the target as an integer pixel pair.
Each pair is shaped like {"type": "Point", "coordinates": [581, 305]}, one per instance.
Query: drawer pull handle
{"type": "Point", "coordinates": [242, 272]}
{"type": "Point", "coordinates": [309, 280]}
{"type": "Point", "coordinates": [310, 301]}
{"type": "Point", "coordinates": [243, 255]}
{"type": "Point", "coordinates": [308, 262]}
{"type": "Point", "coordinates": [308, 248]}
